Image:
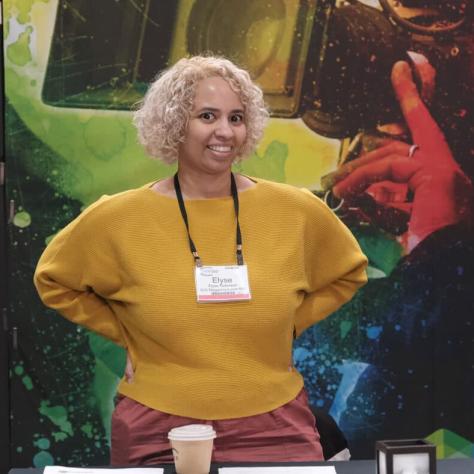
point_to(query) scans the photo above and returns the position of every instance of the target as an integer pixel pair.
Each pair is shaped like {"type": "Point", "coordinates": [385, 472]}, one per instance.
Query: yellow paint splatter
{"type": "Point", "coordinates": [22, 8]}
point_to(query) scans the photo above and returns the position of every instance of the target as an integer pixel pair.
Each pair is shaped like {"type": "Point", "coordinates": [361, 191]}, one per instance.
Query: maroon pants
{"type": "Point", "coordinates": [140, 435]}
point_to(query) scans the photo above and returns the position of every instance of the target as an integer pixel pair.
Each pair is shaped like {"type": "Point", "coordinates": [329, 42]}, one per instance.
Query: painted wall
{"type": "Point", "coordinates": [383, 365]}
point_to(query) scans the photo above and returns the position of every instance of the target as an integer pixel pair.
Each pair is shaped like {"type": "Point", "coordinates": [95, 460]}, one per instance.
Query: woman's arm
{"type": "Point", "coordinates": [335, 267]}
{"type": "Point", "coordinates": [72, 274]}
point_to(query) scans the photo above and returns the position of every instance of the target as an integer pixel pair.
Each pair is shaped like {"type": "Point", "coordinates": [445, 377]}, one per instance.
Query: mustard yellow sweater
{"type": "Point", "coordinates": [124, 270]}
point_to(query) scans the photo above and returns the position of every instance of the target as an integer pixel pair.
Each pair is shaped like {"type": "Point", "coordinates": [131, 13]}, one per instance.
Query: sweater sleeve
{"type": "Point", "coordinates": [75, 277]}
{"type": "Point", "coordinates": [335, 266]}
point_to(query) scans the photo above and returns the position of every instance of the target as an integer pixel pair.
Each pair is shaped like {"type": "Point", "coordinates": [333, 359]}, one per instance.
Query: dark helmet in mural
{"type": "Point", "coordinates": [347, 86]}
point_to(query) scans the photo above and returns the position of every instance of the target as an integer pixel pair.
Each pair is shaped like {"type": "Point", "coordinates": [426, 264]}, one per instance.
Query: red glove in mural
{"type": "Point", "coordinates": [442, 193]}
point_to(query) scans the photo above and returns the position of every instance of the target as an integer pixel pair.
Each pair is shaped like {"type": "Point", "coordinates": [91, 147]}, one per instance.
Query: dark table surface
{"type": "Point", "coordinates": [445, 466]}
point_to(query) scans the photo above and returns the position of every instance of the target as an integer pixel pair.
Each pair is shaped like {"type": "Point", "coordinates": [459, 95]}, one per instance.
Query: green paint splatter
{"type": "Point", "coordinates": [109, 367]}
{"type": "Point", "coordinates": [42, 459]}
{"type": "Point", "coordinates": [59, 436]}
{"type": "Point", "coordinates": [345, 327]}
{"type": "Point", "coordinates": [113, 356]}
{"type": "Point", "coordinates": [27, 382]}
{"type": "Point", "coordinates": [22, 219]}
{"type": "Point", "coordinates": [49, 238]}
{"type": "Point", "coordinates": [42, 443]}
{"type": "Point", "coordinates": [58, 415]}
{"type": "Point", "coordinates": [269, 166]}
{"type": "Point", "coordinates": [19, 52]}
{"type": "Point", "coordinates": [87, 429]}
{"type": "Point", "coordinates": [104, 138]}
{"type": "Point", "coordinates": [19, 370]}
{"type": "Point", "coordinates": [384, 253]}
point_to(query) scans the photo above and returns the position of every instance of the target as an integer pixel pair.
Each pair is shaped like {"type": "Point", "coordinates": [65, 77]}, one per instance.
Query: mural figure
{"type": "Point", "coordinates": [418, 315]}
{"type": "Point", "coordinates": [412, 211]}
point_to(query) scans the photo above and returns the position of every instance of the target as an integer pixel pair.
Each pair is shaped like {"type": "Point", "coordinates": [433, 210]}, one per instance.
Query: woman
{"type": "Point", "coordinates": [205, 278]}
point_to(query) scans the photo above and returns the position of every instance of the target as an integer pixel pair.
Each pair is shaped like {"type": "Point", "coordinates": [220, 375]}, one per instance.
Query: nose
{"type": "Point", "coordinates": [223, 129]}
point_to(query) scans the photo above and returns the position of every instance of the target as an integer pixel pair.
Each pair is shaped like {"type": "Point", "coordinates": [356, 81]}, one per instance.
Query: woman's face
{"type": "Point", "coordinates": [216, 129]}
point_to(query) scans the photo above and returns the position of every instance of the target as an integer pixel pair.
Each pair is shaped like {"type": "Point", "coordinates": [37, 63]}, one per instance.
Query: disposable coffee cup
{"type": "Point", "coordinates": [192, 448]}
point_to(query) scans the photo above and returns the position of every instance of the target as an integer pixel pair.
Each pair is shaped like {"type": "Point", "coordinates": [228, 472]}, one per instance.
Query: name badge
{"type": "Point", "coordinates": [217, 284]}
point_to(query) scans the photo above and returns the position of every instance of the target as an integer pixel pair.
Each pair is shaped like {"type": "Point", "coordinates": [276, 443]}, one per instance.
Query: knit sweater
{"type": "Point", "coordinates": [123, 269]}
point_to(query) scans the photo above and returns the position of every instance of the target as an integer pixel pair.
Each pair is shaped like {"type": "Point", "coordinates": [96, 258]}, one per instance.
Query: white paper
{"type": "Point", "coordinates": [88, 470]}
{"type": "Point", "coordinates": [279, 470]}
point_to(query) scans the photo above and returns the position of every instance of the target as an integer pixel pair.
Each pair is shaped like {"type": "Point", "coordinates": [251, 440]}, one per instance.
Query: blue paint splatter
{"type": "Point", "coordinates": [300, 354]}
{"type": "Point", "coordinates": [42, 459]}
{"type": "Point", "coordinates": [42, 443]}
{"type": "Point", "coordinates": [351, 372]}
{"type": "Point", "coordinates": [373, 332]}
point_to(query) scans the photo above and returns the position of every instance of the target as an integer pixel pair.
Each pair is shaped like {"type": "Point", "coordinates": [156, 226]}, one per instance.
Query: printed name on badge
{"type": "Point", "coordinates": [219, 284]}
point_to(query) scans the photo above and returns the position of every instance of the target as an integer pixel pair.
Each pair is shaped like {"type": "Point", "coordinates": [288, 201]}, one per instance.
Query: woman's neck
{"type": "Point", "coordinates": [199, 186]}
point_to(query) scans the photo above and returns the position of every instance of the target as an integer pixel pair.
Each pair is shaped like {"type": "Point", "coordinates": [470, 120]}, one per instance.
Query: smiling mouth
{"type": "Point", "coordinates": [220, 148]}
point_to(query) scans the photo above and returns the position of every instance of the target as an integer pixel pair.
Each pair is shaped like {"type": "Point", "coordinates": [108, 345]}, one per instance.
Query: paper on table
{"type": "Point", "coordinates": [279, 470]}
{"type": "Point", "coordinates": [89, 470]}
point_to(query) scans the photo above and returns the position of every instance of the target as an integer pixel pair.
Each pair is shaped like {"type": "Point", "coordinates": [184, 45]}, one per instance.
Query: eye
{"type": "Point", "coordinates": [207, 116]}
{"type": "Point", "coordinates": [237, 118]}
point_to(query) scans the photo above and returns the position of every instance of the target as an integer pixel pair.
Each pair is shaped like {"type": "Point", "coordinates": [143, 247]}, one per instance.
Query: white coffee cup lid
{"type": "Point", "coordinates": [192, 433]}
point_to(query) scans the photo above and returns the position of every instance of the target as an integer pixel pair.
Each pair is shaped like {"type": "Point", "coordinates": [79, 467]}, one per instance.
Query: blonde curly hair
{"type": "Point", "coordinates": [162, 116]}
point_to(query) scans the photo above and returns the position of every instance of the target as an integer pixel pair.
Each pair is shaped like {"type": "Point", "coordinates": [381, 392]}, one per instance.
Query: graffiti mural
{"type": "Point", "coordinates": [382, 366]}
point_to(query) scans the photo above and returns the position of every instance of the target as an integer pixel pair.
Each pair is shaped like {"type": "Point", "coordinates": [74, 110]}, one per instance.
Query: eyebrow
{"type": "Point", "coordinates": [213, 109]}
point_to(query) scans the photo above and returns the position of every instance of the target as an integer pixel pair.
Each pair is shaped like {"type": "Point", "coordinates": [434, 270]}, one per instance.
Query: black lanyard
{"type": "Point", "coordinates": [182, 208]}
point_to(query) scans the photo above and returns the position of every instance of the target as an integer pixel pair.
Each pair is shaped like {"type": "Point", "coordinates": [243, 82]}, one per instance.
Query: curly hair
{"type": "Point", "coordinates": [162, 116]}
